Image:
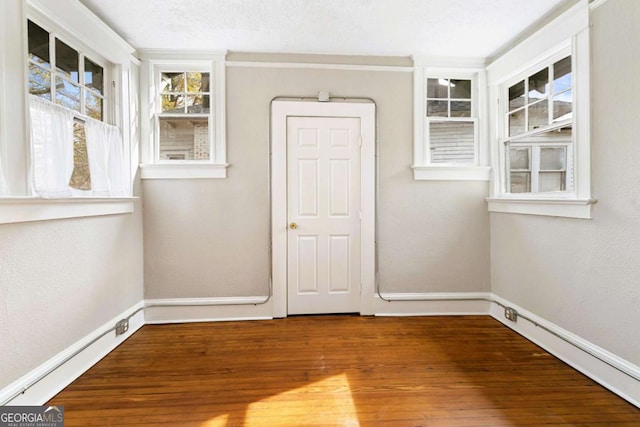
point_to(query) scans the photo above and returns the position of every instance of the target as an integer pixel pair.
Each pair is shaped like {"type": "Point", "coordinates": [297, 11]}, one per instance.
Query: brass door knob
{"type": "Point", "coordinates": [293, 226]}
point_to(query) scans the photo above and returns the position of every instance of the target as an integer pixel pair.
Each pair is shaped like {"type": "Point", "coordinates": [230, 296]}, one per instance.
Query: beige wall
{"type": "Point", "coordinates": [60, 280]}
{"type": "Point", "coordinates": [584, 275]}
{"type": "Point", "coordinates": [208, 238]}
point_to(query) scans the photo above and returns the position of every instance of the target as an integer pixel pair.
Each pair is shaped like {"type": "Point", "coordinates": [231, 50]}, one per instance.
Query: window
{"type": "Point", "coordinates": [184, 116]}
{"type": "Point", "coordinates": [541, 122]}
{"type": "Point", "coordinates": [185, 110]}
{"type": "Point", "coordinates": [73, 152]}
{"type": "Point", "coordinates": [448, 135]}
{"type": "Point", "coordinates": [78, 85]}
{"type": "Point", "coordinates": [78, 81]}
{"type": "Point", "coordinates": [54, 128]}
{"type": "Point", "coordinates": [539, 145]}
{"type": "Point", "coordinates": [451, 123]}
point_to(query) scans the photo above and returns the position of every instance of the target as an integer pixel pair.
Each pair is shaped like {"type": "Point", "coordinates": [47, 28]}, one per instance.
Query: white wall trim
{"type": "Point", "coordinates": [432, 304]}
{"type": "Point", "coordinates": [279, 222]}
{"type": "Point", "coordinates": [27, 209]}
{"type": "Point", "coordinates": [61, 377]}
{"type": "Point", "coordinates": [315, 66]}
{"type": "Point", "coordinates": [184, 310]}
{"type": "Point", "coordinates": [577, 352]}
{"type": "Point", "coordinates": [596, 4]}
{"type": "Point", "coordinates": [567, 208]}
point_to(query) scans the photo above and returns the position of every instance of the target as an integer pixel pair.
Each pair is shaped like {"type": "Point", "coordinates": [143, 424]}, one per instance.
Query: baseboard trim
{"type": "Point", "coordinates": [609, 370]}
{"type": "Point", "coordinates": [604, 367]}
{"type": "Point", "coordinates": [432, 304]}
{"type": "Point", "coordinates": [37, 387]}
{"type": "Point", "coordinates": [185, 310]}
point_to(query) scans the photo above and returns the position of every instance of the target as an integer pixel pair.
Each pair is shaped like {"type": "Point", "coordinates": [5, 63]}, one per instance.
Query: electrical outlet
{"type": "Point", "coordinates": [122, 326]}
{"type": "Point", "coordinates": [511, 314]}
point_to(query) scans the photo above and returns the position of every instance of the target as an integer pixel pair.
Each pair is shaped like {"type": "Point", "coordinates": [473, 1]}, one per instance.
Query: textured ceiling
{"type": "Point", "coordinates": [461, 28]}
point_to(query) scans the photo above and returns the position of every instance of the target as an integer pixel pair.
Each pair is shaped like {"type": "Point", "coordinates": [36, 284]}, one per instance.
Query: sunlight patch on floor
{"type": "Point", "coordinates": [220, 421]}
{"type": "Point", "coordinates": [328, 399]}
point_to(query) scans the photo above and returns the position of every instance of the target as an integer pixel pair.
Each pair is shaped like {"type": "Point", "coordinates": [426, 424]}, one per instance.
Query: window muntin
{"type": "Point", "coordinates": [539, 126]}
{"type": "Point", "coordinates": [78, 81]}
{"type": "Point", "coordinates": [184, 116]}
{"type": "Point", "coordinates": [534, 103]}
{"type": "Point", "coordinates": [450, 121]}
{"type": "Point", "coordinates": [541, 163]}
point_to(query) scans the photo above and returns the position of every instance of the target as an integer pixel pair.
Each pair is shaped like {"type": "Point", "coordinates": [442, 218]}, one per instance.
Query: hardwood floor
{"type": "Point", "coordinates": [337, 371]}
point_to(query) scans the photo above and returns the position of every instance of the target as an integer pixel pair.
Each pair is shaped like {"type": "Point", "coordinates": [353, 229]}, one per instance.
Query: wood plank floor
{"type": "Point", "coordinates": [337, 371]}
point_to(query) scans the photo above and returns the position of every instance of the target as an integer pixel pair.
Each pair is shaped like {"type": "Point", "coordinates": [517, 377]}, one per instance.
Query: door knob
{"type": "Point", "coordinates": [293, 226]}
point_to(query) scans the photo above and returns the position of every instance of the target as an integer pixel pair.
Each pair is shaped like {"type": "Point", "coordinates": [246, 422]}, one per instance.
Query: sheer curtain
{"type": "Point", "coordinates": [52, 148]}
{"type": "Point", "coordinates": [106, 159]}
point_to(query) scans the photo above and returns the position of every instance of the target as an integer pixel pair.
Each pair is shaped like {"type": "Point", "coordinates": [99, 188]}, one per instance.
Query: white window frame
{"type": "Point", "coordinates": [83, 53]}
{"type": "Point", "coordinates": [154, 62]}
{"type": "Point", "coordinates": [75, 25]}
{"type": "Point", "coordinates": [566, 35]}
{"type": "Point", "coordinates": [422, 167]}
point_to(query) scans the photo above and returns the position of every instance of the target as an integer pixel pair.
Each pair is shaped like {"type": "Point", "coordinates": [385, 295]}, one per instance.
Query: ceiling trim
{"type": "Point", "coordinates": [307, 65]}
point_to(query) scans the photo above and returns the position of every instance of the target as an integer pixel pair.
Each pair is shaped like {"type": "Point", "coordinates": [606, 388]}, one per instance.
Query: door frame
{"type": "Point", "coordinates": [280, 111]}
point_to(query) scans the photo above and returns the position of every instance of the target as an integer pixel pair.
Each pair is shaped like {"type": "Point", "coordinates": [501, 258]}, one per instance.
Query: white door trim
{"type": "Point", "coordinates": [280, 110]}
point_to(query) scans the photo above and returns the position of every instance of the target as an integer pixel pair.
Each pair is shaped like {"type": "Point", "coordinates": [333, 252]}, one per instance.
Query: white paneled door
{"type": "Point", "coordinates": [324, 214]}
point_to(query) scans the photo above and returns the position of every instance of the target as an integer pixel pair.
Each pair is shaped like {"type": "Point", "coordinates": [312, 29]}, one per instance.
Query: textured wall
{"type": "Point", "coordinates": [62, 279]}
{"type": "Point", "coordinates": [584, 274]}
{"type": "Point", "coordinates": [207, 238]}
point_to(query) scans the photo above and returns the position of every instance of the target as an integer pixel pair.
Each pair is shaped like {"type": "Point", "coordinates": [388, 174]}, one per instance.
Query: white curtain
{"type": "Point", "coordinates": [106, 159]}
{"type": "Point", "coordinates": [52, 148]}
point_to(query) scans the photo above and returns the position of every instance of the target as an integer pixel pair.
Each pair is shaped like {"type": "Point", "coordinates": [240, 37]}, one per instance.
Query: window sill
{"type": "Point", "coordinates": [567, 208]}
{"type": "Point", "coordinates": [183, 171]}
{"type": "Point", "coordinates": [27, 209]}
{"type": "Point", "coordinates": [451, 173]}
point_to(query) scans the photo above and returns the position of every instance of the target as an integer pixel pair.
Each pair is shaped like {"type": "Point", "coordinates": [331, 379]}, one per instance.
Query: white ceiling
{"type": "Point", "coordinates": [461, 28]}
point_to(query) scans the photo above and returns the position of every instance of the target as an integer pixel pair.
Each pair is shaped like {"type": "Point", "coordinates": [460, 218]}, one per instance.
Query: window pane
{"type": "Point", "coordinates": [563, 106]}
{"type": "Point", "coordinates": [519, 158]}
{"type": "Point", "coordinates": [452, 142]}
{"type": "Point", "coordinates": [460, 89]}
{"type": "Point", "coordinates": [67, 60]}
{"type": "Point", "coordinates": [516, 96]}
{"type": "Point", "coordinates": [437, 88]}
{"type": "Point", "coordinates": [173, 103]}
{"type": "Point", "coordinates": [198, 104]}
{"type": "Point", "coordinates": [184, 138]}
{"type": "Point", "coordinates": [551, 181]}
{"type": "Point", "coordinates": [437, 109]}
{"type": "Point", "coordinates": [552, 159]}
{"type": "Point", "coordinates": [38, 44]}
{"type": "Point", "coordinates": [93, 75]}
{"type": "Point", "coordinates": [562, 75]}
{"type": "Point", "coordinates": [516, 122]}
{"type": "Point", "coordinates": [538, 115]}
{"type": "Point", "coordinates": [80, 178]}
{"type": "Point", "coordinates": [520, 182]}
{"type": "Point", "coordinates": [93, 105]}
{"type": "Point", "coordinates": [197, 82]}
{"type": "Point", "coordinates": [172, 82]}
{"type": "Point", "coordinates": [539, 85]}
{"type": "Point", "coordinates": [67, 94]}
{"type": "Point", "coordinates": [39, 82]}
{"type": "Point", "coordinates": [460, 109]}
